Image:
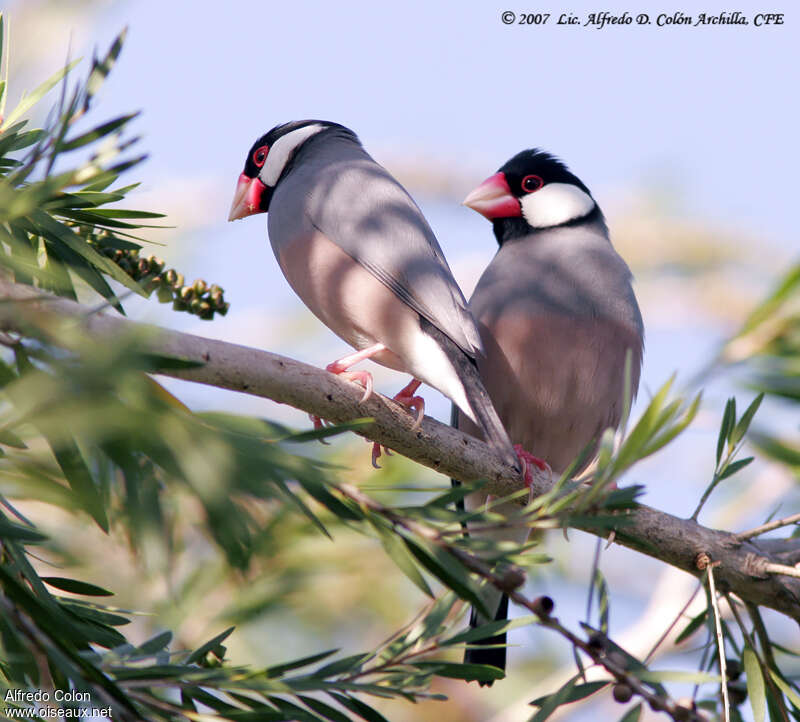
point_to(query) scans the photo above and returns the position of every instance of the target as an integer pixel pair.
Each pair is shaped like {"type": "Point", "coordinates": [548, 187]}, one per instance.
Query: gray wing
{"type": "Point", "coordinates": [367, 213]}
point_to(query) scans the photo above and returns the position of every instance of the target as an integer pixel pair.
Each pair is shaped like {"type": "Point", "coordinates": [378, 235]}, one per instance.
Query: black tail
{"type": "Point", "coordinates": [493, 430]}
{"type": "Point", "coordinates": [493, 656]}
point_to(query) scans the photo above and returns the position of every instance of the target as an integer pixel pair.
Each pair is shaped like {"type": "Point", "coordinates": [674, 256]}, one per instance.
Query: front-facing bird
{"type": "Point", "coordinates": [558, 316]}
{"type": "Point", "coordinates": [358, 251]}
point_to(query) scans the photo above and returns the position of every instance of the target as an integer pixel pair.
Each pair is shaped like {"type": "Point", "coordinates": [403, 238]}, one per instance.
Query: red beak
{"type": "Point", "coordinates": [247, 198]}
{"type": "Point", "coordinates": [493, 199]}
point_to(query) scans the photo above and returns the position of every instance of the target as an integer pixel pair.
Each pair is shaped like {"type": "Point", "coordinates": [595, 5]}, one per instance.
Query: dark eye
{"type": "Point", "coordinates": [531, 183]}
{"type": "Point", "coordinates": [260, 155]}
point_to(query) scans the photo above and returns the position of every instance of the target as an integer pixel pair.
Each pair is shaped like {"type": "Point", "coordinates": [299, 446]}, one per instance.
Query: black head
{"type": "Point", "coordinates": [531, 191]}
{"type": "Point", "coordinates": [268, 159]}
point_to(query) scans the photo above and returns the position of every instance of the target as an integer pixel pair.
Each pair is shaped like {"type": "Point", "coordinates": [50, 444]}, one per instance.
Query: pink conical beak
{"type": "Point", "coordinates": [493, 199]}
{"type": "Point", "coordinates": [247, 198]}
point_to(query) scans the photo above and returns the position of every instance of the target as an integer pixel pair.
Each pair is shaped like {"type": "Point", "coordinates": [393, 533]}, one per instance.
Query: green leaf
{"type": "Point", "coordinates": [731, 469]}
{"type": "Point", "coordinates": [15, 532]}
{"type": "Point", "coordinates": [692, 627]}
{"type": "Point", "coordinates": [292, 711]}
{"type": "Point", "coordinates": [101, 69]}
{"type": "Point", "coordinates": [490, 629]}
{"type": "Point", "coordinates": [755, 684]}
{"type": "Point", "coordinates": [576, 693]}
{"type": "Point", "coordinates": [786, 688]}
{"type": "Point", "coordinates": [728, 420]}
{"type": "Point", "coordinates": [328, 712]}
{"type": "Point", "coordinates": [400, 555]}
{"type": "Point", "coordinates": [95, 134]}
{"type": "Point", "coordinates": [340, 666]}
{"type": "Point", "coordinates": [458, 670]}
{"type": "Point", "coordinates": [602, 600]}
{"type": "Point", "coordinates": [62, 234]}
{"type": "Point", "coordinates": [75, 587]}
{"type": "Point", "coordinates": [279, 670]}
{"type": "Point", "coordinates": [209, 646]}
{"type": "Point", "coordinates": [772, 303]}
{"type": "Point", "coordinates": [744, 423]}
{"type": "Point", "coordinates": [9, 438]}
{"type": "Point", "coordinates": [154, 644]}
{"type": "Point", "coordinates": [362, 710]}
{"type": "Point", "coordinates": [648, 424]}
{"type": "Point", "coordinates": [677, 675]}
{"type": "Point", "coordinates": [444, 567]}
{"type": "Point", "coordinates": [70, 459]}
{"type": "Point", "coordinates": [28, 101]}
{"type": "Point", "coordinates": [548, 705]}
{"type": "Point", "coordinates": [633, 714]}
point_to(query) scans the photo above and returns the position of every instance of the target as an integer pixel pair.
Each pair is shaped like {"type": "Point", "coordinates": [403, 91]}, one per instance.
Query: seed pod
{"type": "Point", "coordinates": [199, 286]}
{"type": "Point", "coordinates": [543, 606]}
{"type": "Point", "coordinates": [737, 691]}
{"type": "Point", "coordinates": [622, 693]}
{"type": "Point", "coordinates": [597, 642]}
{"type": "Point", "coordinates": [511, 579]}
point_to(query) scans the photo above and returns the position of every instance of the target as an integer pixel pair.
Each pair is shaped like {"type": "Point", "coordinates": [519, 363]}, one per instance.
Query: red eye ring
{"type": "Point", "coordinates": [531, 183]}
{"type": "Point", "coordinates": [260, 155]}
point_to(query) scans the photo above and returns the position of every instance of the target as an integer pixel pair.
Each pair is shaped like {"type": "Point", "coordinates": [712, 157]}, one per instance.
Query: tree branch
{"type": "Point", "coordinates": [743, 566]}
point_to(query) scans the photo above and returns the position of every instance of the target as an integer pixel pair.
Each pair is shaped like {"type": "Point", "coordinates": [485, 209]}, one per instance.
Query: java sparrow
{"type": "Point", "coordinates": [358, 251]}
{"type": "Point", "coordinates": [557, 316]}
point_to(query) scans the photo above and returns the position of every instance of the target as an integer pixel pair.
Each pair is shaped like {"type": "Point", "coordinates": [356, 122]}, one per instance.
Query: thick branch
{"type": "Point", "coordinates": [743, 564]}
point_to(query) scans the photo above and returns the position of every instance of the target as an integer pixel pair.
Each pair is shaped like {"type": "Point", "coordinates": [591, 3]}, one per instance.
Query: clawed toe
{"type": "Point", "coordinates": [319, 423]}
{"type": "Point", "coordinates": [527, 458]}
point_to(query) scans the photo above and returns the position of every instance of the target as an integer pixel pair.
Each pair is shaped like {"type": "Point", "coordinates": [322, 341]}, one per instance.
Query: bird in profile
{"type": "Point", "coordinates": [358, 251]}
{"type": "Point", "coordinates": [557, 316]}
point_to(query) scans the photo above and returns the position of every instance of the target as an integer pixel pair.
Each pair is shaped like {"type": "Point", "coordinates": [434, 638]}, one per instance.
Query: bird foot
{"type": "Point", "coordinates": [340, 367]}
{"type": "Point", "coordinates": [527, 458]}
{"type": "Point", "coordinates": [319, 423]}
{"type": "Point", "coordinates": [362, 377]}
{"type": "Point", "coordinates": [376, 452]}
{"type": "Point", "coordinates": [415, 403]}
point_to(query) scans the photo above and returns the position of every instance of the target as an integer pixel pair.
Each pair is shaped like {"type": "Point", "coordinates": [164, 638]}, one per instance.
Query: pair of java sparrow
{"type": "Point", "coordinates": [536, 359]}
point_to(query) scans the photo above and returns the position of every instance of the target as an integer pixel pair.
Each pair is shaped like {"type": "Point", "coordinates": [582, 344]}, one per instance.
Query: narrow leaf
{"type": "Point", "coordinates": [747, 417]}
{"type": "Point", "coordinates": [728, 420]}
{"type": "Point", "coordinates": [278, 670]}
{"type": "Point", "coordinates": [755, 684]}
{"type": "Point", "coordinates": [75, 587]}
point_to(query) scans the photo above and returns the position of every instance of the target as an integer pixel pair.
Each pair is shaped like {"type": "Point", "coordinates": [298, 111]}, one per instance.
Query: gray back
{"type": "Point", "coordinates": [335, 187]}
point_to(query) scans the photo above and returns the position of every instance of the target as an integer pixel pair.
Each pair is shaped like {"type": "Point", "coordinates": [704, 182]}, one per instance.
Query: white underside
{"type": "Point", "coordinates": [428, 362]}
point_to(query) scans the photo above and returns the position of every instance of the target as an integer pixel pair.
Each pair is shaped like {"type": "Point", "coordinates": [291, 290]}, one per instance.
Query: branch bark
{"type": "Point", "coordinates": [742, 566]}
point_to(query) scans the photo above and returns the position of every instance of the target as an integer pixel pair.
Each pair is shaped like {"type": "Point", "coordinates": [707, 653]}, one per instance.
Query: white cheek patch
{"type": "Point", "coordinates": [282, 150]}
{"type": "Point", "coordinates": [555, 204]}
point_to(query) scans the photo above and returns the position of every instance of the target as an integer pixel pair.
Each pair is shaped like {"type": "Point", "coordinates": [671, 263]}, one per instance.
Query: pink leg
{"type": "Point", "coordinates": [365, 377]}
{"type": "Point", "coordinates": [340, 369]}
{"type": "Point", "coordinates": [528, 458]}
{"type": "Point", "coordinates": [417, 403]}
{"type": "Point", "coordinates": [319, 423]}
{"type": "Point", "coordinates": [406, 397]}
{"type": "Point", "coordinates": [376, 452]}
